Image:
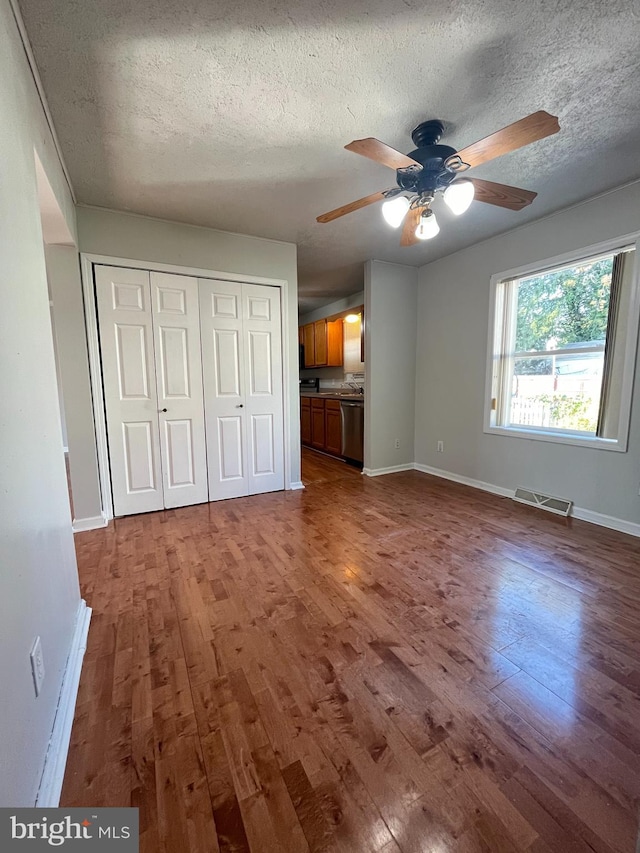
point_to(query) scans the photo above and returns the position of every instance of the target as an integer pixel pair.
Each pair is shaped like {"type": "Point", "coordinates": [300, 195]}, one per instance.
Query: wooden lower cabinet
{"type": "Point", "coordinates": [317, 424]}
{"type": "Point", "coordinates": [305, 420]}
{"type": "Point", "coordinates": [332, 427]}
{"type": "Point", "coordinates": [321, 424]}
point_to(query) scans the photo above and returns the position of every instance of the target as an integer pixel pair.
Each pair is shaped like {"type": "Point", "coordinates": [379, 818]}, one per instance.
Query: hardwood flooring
{"type": "Point", "coordinates": [387, 664]}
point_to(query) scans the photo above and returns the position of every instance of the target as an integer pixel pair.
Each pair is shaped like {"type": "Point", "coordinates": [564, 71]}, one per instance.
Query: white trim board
{"type": "Point", "coordinates": [56, 758]}
{"type": "Point", "coordinates": [580, 513]}
{"type": "Point", "coordinates": [297, 486]}
{"type": "Point", "coordinates": [393, 469]}
{"type": "Point", "coordinates": [465, 481]}
{"type": "Point", "coordinates": [87, 261]}
{"type": "Point", "coordinates": [82, 524]}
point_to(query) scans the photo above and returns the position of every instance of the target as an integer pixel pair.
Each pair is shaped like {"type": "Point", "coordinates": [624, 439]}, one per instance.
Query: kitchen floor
{"type": "Point", "coordinates": [385, 664]}
{"type": "Point", "coordinates": [320, 468]}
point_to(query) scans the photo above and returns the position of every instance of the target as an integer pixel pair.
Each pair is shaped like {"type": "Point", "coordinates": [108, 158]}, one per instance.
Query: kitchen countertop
{"type": "Point", "coordinates": [333, 395]}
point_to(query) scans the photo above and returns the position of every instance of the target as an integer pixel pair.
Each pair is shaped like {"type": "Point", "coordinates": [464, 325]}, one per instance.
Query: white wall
{"type": "Point", "coordinates": [390, 347]}
{"type": "Point", "coordinates": [63, 273]}
{"type": "Point", "coordinates": [122, 235]}
{"type": "Point", "coordinates": [453, 316]}
{"type": "Point", "coordinates": [39, 592]}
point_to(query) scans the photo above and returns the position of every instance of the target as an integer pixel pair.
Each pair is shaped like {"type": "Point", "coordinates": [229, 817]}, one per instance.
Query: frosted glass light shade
{"type": "Point", "coordinates": [459, 195]}
{"type": "Point", "coordinates": [427, 227]}
{"type": "Point", "coordinates": [352, 318]}
{"type": "Point", "coordinates": [395, 209]}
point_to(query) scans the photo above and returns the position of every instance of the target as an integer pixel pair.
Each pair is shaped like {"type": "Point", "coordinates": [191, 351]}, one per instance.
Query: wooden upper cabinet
{"type": "Point", "coordinates": [309, 346]}
{"type": "Point", "coordinates": [320, 337]}
{"type": "Point", "coordinates": [335, 337]}
{"type": "Point", "coordinates": [323, 343]}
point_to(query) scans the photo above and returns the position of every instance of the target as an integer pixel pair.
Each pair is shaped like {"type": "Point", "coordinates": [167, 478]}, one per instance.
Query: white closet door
{"type": "Point", "coordinates": [242, 369]}
{"type": "Point", "coordinates": [263, 388]}
{"type": "Point", "coordinates": [128, 370]}
{"type": "Point", "coordinates": [176, 331]}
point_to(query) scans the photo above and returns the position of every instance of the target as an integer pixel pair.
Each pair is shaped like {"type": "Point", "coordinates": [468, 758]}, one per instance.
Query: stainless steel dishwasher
{"type": "Point", "coordinates": [352, 416]}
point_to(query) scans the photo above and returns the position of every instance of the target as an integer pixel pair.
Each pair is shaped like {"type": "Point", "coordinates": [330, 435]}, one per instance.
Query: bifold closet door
{"type": "Point", "coordinates": [150, 347]}
{"type": "Point", "coordinates": [178, 367]}
{"type": "Point", "coordinates": [242, 368]}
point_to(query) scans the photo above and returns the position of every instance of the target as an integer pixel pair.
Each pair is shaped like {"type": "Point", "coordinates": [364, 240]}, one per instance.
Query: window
{"type": "Point", "coordinates": [563, 349]}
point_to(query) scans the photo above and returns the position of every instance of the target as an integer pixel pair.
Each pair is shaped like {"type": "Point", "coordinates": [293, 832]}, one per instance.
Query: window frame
{"type": "Point", "coordinates": [507, 316]}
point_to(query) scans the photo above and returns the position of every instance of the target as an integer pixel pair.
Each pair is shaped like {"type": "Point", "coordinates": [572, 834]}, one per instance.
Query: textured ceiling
{"type": "Point", "coordinates": [234, 114]}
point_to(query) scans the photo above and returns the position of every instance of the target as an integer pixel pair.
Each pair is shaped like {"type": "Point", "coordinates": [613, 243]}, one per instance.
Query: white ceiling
{"type": "Point", "coordinates": [233, 114]}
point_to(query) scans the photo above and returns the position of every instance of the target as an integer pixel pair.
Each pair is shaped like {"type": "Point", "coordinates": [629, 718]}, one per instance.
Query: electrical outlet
{"type": "Point", "coordinates": [441, 447]}
{"type": "Point", "coordinates": [396, 444]}
{"type": "Point", "coordinates": [37, 666]}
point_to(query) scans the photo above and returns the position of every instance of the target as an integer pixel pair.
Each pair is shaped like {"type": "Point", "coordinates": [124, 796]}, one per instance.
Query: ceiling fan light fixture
{"type": "Point", "coordinates": [459, 195]}
{"type": "Point", "coordinates": [428, 226]}
{"type": "Point", "coordinates": [394, 210]}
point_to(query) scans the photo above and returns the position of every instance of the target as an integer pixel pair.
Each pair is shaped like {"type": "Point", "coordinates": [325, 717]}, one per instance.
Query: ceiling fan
{"type": "Point", "coordinates": [434, 168]}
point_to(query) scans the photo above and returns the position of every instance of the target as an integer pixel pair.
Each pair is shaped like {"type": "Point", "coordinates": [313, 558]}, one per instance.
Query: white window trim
{"type": "Point", "coordinates": [576, 439]}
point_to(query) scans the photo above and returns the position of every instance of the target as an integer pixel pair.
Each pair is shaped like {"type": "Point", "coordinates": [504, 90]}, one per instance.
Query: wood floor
{"type": "Point", "coordinates": [387, 664]}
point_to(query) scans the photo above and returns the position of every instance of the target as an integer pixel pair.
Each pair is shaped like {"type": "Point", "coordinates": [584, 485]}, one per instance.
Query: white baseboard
{"type": "Point", "coordinates": [393, 469]}
{"type": "Point", "coordinates": [580, 513]}
{"type": "Point", "coordinates": [56, 758]}
{"type": "Point", "coordinates": [297, 485]}
{"type": "Point", "coordinates": [466, 481]}
{"type": "Point", "coordinates": [603, 520]}
{"type": "Point", "coordinates": [82, 524]}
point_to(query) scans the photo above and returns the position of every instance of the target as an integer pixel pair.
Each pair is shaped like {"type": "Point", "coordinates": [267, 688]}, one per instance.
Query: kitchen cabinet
{"type": "Point", "coordinates": [332, 427]}
{"type": "Point", "coordinates": [305, 420]}
{"type": "Point", "coordinates": [320, 340]}
{"type": "Point", "coordinates": [323, 343]}
{"type": "Point", "coordinates": [321, 424]}
{"type": "Point", "coordinates": [308, 335]}
{"type": "Point", "coordinates": [317, 424]}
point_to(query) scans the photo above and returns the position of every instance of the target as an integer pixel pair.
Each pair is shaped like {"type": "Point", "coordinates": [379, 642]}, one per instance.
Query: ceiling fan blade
{"type": "Point", "coordinates": [381, 153]}
{"type": "Point", "coordinates": [411, 222]}
{"type": "Point", "coordinates": [349, 208]}
{"type": "Point", "coordinates": [502, 195]}
{"type": "Point", "coordinates": [510, 138]}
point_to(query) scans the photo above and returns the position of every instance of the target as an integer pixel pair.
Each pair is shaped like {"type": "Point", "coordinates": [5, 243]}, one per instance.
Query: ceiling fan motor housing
{"type": "Point", "coordinates": [431, 156]}
{"type": "Point", "coordinates": [433, 174]}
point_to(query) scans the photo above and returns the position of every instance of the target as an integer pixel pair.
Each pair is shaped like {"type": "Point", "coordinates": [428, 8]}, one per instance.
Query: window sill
{"type": "Point", "coordinates": [574, 439]}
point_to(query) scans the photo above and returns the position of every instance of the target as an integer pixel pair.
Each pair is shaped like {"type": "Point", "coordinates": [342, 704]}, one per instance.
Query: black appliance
{"type": "Point", "coordinates": [310, 384]}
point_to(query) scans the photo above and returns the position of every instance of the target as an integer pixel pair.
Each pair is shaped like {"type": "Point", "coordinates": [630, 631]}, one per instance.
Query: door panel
{"type": "Point", "coordinates": [227, 362]}
{"type": "Point", "coordinates": [138, 456]}
{"type": "Point", "coordinates": [263, 381]}
{"type": "Point", "coordinates": [179, 444]}
{"type": "Point", "coordinates": [173, 364]}
{"type": "Point", "coordinates": [260, 368]}
{"type": "Point", "coordinates": [242, 368]}
{"type": "Point", "coordinates": [176, 327]}
{"type": "Point", "coordinates": [231, 457]}
{"type": "Point", "coordinates": [263, 452]}
{"type": "Point", "coordinates": [131, 354]}
{"type": "Point", "coordinates": [221, 329]}
{"type": "Point", "coordinates": [126, 343]}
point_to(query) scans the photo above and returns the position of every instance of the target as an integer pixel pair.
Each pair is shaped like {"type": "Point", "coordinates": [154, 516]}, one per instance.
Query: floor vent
{"type": "Point", "coordinates": [561, 506]}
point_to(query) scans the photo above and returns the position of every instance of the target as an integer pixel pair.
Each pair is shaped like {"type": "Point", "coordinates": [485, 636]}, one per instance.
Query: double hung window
{"type": "Point", "coordinates": [563, 350]}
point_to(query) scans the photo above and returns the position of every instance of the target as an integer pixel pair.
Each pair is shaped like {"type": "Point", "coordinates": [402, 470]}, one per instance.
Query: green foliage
{"type": "Point", "coordinates": [569, 306]}
{"type": "Point", "coordinates": [567, 412]}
